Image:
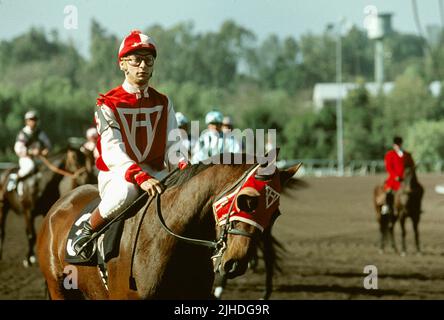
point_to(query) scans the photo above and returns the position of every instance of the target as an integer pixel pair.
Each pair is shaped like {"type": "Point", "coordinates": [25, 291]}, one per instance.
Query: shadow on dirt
{"type": "Point", "coordinates": [338, 289]}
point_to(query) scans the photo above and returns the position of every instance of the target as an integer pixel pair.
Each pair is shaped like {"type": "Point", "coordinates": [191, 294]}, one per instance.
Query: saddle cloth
{"type": "Point", "coordinates": [107, 244]}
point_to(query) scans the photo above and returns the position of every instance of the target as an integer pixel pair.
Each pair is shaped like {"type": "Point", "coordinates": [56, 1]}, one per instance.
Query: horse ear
{"type": "Point", "coordinates": [285, 175]}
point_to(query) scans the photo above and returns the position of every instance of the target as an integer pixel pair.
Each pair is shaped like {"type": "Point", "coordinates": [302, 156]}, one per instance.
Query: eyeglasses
{"type": "Point", "coordinates": [135, 61]}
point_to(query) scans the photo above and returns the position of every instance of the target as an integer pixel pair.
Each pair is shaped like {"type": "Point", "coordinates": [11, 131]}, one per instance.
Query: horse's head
{"type": "Point", "coordinates": [243, 212]}
{"type": "Point", "coordinates": [409, 180]}
{"type": "Point", "coordinates": [80, 162]}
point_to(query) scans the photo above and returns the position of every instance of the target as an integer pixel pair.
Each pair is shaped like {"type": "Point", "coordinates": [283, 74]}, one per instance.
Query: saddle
{"type": "Point", "coordinates": [107, 244]}
{"type": "Point", "coordinates": [13, 180]}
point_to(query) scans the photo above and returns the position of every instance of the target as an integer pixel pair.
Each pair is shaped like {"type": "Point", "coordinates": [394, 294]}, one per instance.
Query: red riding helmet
{"type": "Point", "coordinates": [136, 40]}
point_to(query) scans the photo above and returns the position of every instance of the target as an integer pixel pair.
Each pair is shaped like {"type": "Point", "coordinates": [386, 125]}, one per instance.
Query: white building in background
{"type": "Point", "coordinates": [327, 93]}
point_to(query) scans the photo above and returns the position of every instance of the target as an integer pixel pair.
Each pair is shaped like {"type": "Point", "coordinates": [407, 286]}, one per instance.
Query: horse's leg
{"type": "Point", "coordinates": [403, 234]}
{"type": "Point", "coordinates": [392, 239]}
{"type": "Point", "coordinates": [254, 261]}
{"type": "Point", "coordinates": [416, 231]}
{"type": "Point", "coordinates": [31, 236]}
{"type": "Point", "coordinates": [220, 284]}
{"type": "Point", "coordinates": [269, 258]}
{"type": "Point", "coordinates": [390, 231]}
{"type": "Point", "coordinates": [54, 289]}
{"type": "Point", "coordinates": [4, 209]}
{"type": "Point", "coordinates": [382, 231]}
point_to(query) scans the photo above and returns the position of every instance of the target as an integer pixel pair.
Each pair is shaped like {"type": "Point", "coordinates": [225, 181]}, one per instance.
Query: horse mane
{"type": "Point", "coordinates": [182, 176]}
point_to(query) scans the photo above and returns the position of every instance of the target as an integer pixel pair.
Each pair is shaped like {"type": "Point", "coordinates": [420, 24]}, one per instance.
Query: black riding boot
{"type": "Point", "coordinates": [81, 239]}
{"type": "Point", "coordinates": [95, 223]}
{"type": "Point", "coordinates": [390, 201]}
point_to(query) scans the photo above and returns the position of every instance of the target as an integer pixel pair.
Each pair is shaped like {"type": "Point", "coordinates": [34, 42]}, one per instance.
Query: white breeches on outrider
{"type": "Point", "coordinates": [26, 165]}
{"type": "Point", "coordinates": [116, 193]}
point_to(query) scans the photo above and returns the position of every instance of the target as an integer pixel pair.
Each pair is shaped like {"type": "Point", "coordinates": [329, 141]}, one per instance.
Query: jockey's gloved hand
{"type": "Point", "coordinates": [152, 186]}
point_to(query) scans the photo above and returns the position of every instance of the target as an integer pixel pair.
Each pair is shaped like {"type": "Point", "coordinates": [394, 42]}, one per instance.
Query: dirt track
{"type": "Point", "coordinates": [330, 232]}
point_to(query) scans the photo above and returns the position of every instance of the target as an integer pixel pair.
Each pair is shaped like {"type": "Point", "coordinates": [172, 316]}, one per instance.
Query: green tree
{"type": "Point", "coordinates": [357, 124]}
{"type": "Point", "coordinates": [409, 102]}
{"type": "Point", "coordinates": [424, 140]}
{"type": "Point", "coordinates": [311, 135]}
{"type": "Point", "coordinates": [102, 72]}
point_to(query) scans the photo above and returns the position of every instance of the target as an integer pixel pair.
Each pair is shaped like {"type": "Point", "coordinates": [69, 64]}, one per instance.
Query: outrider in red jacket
{"type": "Point", "coordinates": [395, 164]}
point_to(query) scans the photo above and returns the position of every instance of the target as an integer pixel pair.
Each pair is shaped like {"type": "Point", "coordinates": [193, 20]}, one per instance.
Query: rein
{"type": "Point", "coordinates": [227, 228]}
{"type": "Point", "coordinates": [62, 172]}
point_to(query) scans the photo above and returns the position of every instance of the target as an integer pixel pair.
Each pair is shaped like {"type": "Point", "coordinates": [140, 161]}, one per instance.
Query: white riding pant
{"type": "Point", "coordinates": [117, 193]}
{"type": "Point", "coordinates": [26, 165]}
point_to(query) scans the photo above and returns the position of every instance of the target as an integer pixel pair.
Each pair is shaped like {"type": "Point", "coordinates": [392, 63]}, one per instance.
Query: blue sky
{"type": "Point", "coordinates": [263, 17]}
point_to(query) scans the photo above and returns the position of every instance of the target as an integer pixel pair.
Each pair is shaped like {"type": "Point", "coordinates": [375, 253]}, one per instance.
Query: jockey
{"type": "Point", "coordinates": [91, 142]}
{"type": "Point", "coordinates": [133, 121]}
{"type": "Point", "coordinates": [230, 142]}
{"type": "Point", "coordinates": [394, 160]}
{"type": "Point", "coordinates": [210, 141]}
{"type": "Point", "coordinates": [31, 142]}
{"type": "Point", "coordinates": [187, 141]}
{"type": "Point", "coordinates": [182, 121]}
{"type": "Point", "coordinates": [227, 124]}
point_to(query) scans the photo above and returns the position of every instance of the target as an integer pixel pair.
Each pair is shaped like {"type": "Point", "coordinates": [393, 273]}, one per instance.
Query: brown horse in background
{"type": "Point", "coordinates": [408, 201]}
{"type": "Point", "coordinates": [385, 221]}
{"type": "Point", "coordinates": [406, 204]}
{"type": "Point", "coordinates": [40, 192]}
{"type": "Point", "coordinates": [81, 164]}
{"type": "Point", "coordinates": [164, 267]}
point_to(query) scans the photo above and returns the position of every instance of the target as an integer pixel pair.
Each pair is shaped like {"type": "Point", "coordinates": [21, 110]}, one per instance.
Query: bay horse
{"type": "Point", "coordinates": [386, 220]}
{"type": "Point", "coordinates": [406, 204]}
{"type": "Point", "coordinates": [408, 201]}
{"type": "Point", "coordinates": [160, 265]}
{"type": "Point", "coordinates": [80, 168]}
{"type": "Point", "coordinates": [40, 192]}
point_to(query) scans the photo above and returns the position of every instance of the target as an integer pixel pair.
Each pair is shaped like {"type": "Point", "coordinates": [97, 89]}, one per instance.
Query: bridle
{"type": "Point", "coordinates": [228, 228]}
{"type": "Point", "coordinates": [220, 245]}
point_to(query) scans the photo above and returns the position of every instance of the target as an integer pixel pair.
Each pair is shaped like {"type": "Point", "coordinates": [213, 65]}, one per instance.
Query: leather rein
{"type": "Point", "coordinates": [62, 172]}
{"type": "Point", "coordinates": [228, 227]}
